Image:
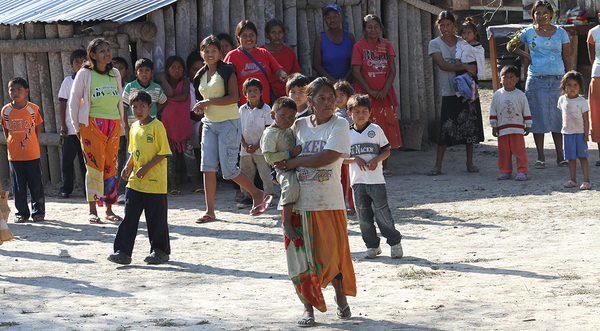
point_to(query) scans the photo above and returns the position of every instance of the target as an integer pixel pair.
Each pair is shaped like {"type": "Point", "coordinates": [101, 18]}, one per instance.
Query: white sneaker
{"type": "Point", "coordinates": [372, 253]}
{"type": "Point", "coordinates": [397, 251]}
{"type": "Point", "coordinates": [121, 199]}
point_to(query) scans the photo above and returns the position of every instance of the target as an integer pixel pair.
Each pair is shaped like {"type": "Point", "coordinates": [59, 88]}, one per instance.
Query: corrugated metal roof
{"type": "Point", "coordinates": [14, 12]}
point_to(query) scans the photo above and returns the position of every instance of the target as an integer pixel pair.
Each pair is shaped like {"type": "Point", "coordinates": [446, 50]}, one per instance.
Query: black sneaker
{"type": "Point", "coordinates": [157, 257]}
{"type": "Point", "coordinates": [62, 195]}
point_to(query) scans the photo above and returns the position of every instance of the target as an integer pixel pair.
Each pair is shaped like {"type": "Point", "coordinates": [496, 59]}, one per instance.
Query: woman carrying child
{"type": "Point", "coordinates": [217, 95]}
{"type": "Point", "coordinates": [284, 55]}
{"type": "Point", "coordinates": [461, 122]}
{"type": "Point", "coordinates": [176, 119]}
{"type": "Point", "coordinates": [470, 51]}
{"type": "Point", "coordinates": [374, 69]}
{"type": "Point", "coordinates": [549, 55]}
{"type": "Point", "coordinates": [321, 254]}
{"type": "Point", "coordinates": [96, 111]}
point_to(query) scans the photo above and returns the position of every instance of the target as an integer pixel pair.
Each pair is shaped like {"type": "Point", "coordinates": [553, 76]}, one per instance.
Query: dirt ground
{"type": "Point", "coordinates": [480, 254]}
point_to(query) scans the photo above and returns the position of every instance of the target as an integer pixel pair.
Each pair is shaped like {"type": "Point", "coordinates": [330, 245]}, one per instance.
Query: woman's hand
{"type": "Point", "coordinates": [282, 75]}
{"type": "Point", "coordinates": [200, 106]}
{"type": "Point", "coordinates": [285, 165]}
{"type": "Point", "coordinates": [471, 68]}
{"type": "Point", "coordinates": [295, 151]}
{"type": "Point", "coordinates": [382, 94]}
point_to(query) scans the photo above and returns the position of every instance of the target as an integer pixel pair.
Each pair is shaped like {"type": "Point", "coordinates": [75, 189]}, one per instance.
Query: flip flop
{"type": "Point", "coordinates": [205, 218]}
{"type": "Point", "coordinates": [198, 191]}
{"type": "Point", "coordinates": [310, 322]}
{"type": "Point", "coordinates": [434, 172]}
{"type": "Point", "coordinates": [540, 164]}
{"type": "Point", "coordinates": [114, 218]}
{"type": "Point", "coordinates": [563, 163]}
{"type": "Point", "coordinates": [585, 186]}
{"type": "Point", "coordinates": [570, 184]}
{"type": "Point", "coordinates": [94, 219]}
{"type": "Point", "coordinates": [340, 311]}
{"type": "Point", "coordinates": [175, 193]}
{"type": "Point", "coordinates": [260, 209]}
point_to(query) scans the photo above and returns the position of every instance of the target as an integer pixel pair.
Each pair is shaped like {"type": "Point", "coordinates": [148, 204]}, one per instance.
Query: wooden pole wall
{"type": "Point", "coordinates": [6, 61]}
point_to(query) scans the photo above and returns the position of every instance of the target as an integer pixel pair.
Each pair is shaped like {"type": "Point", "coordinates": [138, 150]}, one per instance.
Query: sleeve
{"type": "Point", "coordinates": [268, 119]}
{"type": "Point", "coordinates": [63, 93]}
{"type": "Point", "coordinates": [356, 55]}
{"type": "Point", "coordinates": [584, 106]}
{"type": "Point", "coordinates": [559, 103]}
{"type": "Point", "coordinates": [272, 157]}
{"type": "Point", "coordinates": [526, 112]}
{"type": "Point", "coordinates": [524, 36]}
{"type": "Point", "coordinates": [433, 47]}
{"type": "Point", "coordinates": [494, 111]}
{"type": "Point", "coordinates": [126, 95]}
{"type": "Point", "coordinates": [564, 35]}
{"type": "Point", "coordinates": [2, 118]}
{"type": "Point", "coordinates": [74, 101]}
{"type": "Point", "coordinates": [383, 140]}
{"type": "Point", "coordinates": [268, 146]}
{"type": "Point", "coordinates": [162, 97]}
{"type": "Point", "coordinates": [480, 58]}
{"type": "Point", "coordinates": [459, 50]}
{"type": "Point", "coordinates": [390, 49]}
{"type": "Point", "coordinates": [38, 116]}
{"type": "Point", "coordinates": [339, 137]}
{"type": "Point", "coordinates": [590, 38]}
{"type": "Point", "coordinates": [163, 142]}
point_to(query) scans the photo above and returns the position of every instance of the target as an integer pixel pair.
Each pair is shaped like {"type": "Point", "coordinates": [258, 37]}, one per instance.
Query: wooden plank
{"type": "Point", "coordinates": [169, 16]}
{"type": "Point", "coordinates": [182, 29]}
{"type": "Point", "coordinates": [390, 19]}
{"type": "Point", "coordinates": [6, 62]}
{"type": "Point", "coordinates": [56, 72]}
{"type": "Point", "coordinates": [494, 64]}
{"type": "Point", "coordinates": [236, 14]}
{"type": "Point", "coordinates": [260, 21]}
{"type": "Point", "coordinates": [205, 18]}
{"type": "Point", "coordinates": [358, 18]}
{"type": "Point", "coordinates": [66, 31]}
{"type": "Point", "coordinates": [289, 19]}
{"type": "Point", "coordinates": [193, 12]}
{"type": "Point", "coordinates": [412, 56]}
{"type": "Point", "coordinates": [435, 10]}
{"type": "Point", "coordinates": [429, 118]}
{"type": "Point", "coordinates": [50, 45]}
{"type": "Point", "coordinates": [304, 46]}
{"type": "Point", "coordinates": [460, 5]}
{"type": "Point", "coordinates": [403, 70]}
{"type": "Point", "coordinates": [158, 44]}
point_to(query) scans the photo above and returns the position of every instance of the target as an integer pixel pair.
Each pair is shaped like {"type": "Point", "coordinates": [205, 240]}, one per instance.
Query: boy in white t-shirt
{"type": "Point", "coordinates": [71, 147]}
{"type": "Point", "coordinates": [368, 148]}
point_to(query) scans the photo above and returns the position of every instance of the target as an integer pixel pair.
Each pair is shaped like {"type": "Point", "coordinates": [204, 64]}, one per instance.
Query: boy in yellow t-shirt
{"type": "Point", "coordinates": [21, 124]}
{"type": "Point", "coordinates": [146, 173]}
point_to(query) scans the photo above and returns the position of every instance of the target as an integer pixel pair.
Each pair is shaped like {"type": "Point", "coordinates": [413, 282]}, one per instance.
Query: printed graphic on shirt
{"type": "Point", "coordinates": [376, 60]}
{"type": "Point", "coordinates": [20, 125]}
{"type": "Point", "coordinates": [508, 109]}
{"type": "Point", "coordinates": [312, 174]}
{"type": "Point", "coordinates": [365, 148]}
{"type": "Point", "coordinates": [250, 69]}
{"type": "Point", "coordinates": [102, 91]}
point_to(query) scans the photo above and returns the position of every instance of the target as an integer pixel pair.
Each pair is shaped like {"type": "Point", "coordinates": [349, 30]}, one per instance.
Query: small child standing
{"type": "Point", "coordinates": [296, 89]}
{"type": "Point", "coordinates": [368, 148]}
{"type": "Point", "coordinates": [71, 146]}
{"type": "Point", "coordinates": [146, 174]}
{"type": "Point", "coordinates": [255, 116]}
{"type": "Point", "coordinates": [343, 91]}
{"type": "Point", "coordinates": [278, 144]}
{"type": "Point", "coordinates": [21, 122]}
{"type": "Point", "coordinates": [511, 121]}
{"type": "Point", "coordinates": [575, 127]}
{"type": "Point", "coordinates": [469, 51]}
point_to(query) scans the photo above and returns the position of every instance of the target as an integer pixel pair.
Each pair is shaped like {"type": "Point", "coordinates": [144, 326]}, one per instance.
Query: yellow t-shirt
{"type": "Point", "coordinates": [146, 142]}
{"type": "Point", "coordinates": [104, 96]}
{"type": "Point", "coordinates": [215, 88]}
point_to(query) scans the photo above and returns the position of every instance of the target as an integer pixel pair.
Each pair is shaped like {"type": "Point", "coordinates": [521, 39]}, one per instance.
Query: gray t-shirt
{"type": "Point", "coordinates": [437, 45]}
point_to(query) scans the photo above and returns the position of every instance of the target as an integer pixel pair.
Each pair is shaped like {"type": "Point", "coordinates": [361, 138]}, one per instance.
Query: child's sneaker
{"type": "Point", "coordinates": [121, 199]}
{"type": "Point", "coordinates": [372, 253]}
{"type": "Point", "coordinates": [397, 251]}
{"type": "Point", "coordinates": [504, 176]}
{"type": "Point", "coordinates": [521, 177]}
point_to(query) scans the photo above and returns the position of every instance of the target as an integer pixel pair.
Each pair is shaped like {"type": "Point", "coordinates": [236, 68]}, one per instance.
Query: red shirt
{"type": "Point", "coordinates": [246, 68]}
{"type": "Point", "coordinates": [375, 70]}
{"type": "Point", "coordinates": [289, 62]}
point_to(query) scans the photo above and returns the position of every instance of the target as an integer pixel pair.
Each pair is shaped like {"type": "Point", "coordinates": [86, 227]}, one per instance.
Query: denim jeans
{"type": "Point", "coordinates": [71, 149]}
{"type": "Point", "coordinates": [28, 174]}
{"type": "Point", "coordinates": [370, 202]}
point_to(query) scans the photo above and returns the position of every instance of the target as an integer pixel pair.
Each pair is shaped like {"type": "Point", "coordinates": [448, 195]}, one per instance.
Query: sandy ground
{"type": "Point", "coordinates": [480, 254]}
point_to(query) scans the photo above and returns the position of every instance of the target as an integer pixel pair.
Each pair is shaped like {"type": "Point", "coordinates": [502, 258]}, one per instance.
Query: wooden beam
{"type": "Point", "coordinates": [51, 45]}
{"type": "Point", "coordinates": [45, 139]}
{"type": "Point", "coordinates": [434, 10]}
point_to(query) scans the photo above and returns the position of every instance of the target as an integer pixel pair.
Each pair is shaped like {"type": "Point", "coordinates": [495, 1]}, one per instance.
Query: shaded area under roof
{"type": "Point", "coordinates": [13, 12]}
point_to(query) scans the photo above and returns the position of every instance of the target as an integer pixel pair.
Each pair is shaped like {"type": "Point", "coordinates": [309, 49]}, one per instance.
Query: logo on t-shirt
{"type": "Point", "coordinates": [100, 91]}
{"type": "Point", "coordinates": [249, 69]}
{"type": "Point", "coordinates": [371, 134]}
{"type": "Point", "coordinates": [149, 138]}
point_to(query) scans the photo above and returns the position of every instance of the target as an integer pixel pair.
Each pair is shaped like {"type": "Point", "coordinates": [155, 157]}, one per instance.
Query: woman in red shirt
{"type": "Point", "coordinates": [245, 34]}
{"type": "Point", "coordinates": [285, 56]}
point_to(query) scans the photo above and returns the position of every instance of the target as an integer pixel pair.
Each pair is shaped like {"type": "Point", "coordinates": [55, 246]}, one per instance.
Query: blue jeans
{"type": "Point", "coordinates": [542, 95]}
{"type": "Point", "coordinates": [71, 149]}
{"type": "Point", "coordinates": [370, 202]}
{"type": "Point", "coordinates": [28, 174]}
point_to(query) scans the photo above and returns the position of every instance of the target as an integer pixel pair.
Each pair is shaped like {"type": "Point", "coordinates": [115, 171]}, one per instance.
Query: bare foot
{"type": "Point", "coordinates": [290, 232]}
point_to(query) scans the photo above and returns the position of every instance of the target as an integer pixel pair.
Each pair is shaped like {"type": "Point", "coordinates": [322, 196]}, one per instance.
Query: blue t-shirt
{"type": "Point", "coordinates": [546, 52]}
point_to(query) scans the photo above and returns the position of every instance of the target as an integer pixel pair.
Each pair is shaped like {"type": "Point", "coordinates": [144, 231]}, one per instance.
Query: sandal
{"type": "Point", "coordinates": [306, 322]}
{"type": "Point", "coordinates": [472, 169]}
{"type": "Point", "coordinates": [261, 208]}
{"type": "Point", "coordinates": [94, 219]}
{"type": "Point", "coordinates": [434, 172]}
{"type": "Point", "coordinates": [504, 176]}
{"type": "Point", "coordinates": [351, 212]}
{"type": "Point", "coordinates": [540, 164]}
{"type": "Point", "coordinates": [563, 163]}
{"type": "Point", "coordinates": [570, 184]}
{"type": "Point", "coordinates": [21, 219]}
{"type": "Point", "coordinates": [175, 193]}
{"type": "Point", "coordinates": [38, 218]}
{"type": "Point", "coordinates": [198, 191]}
{"type": "Point", "coordinates": [585, 186]}
{"type": "Point", "coordinates": [205, 218]}
{"type": "Point", "coordinates": [114, 218]}
{"type": "Point", "coordinates": [341, 310]}
{"type": "Point", "coordinates": [521, 177]}
{"type": "Point", "coordinates": [119, 257]}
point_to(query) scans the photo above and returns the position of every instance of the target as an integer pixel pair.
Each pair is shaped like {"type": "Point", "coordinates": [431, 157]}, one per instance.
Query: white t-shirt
{"type": "Point", "coordinates": [321, 188]}
{"type": "Point", "coordinates": [367, 144]}
{"type": "Point", "coordinates": [254, 122]}
{"type": "Point", "coordinates": [572, 113]}
{"type": "Point", "coordinates": [63, 95]}
{"type": "Point", "coordinates": [468, 53]}
{"type": "Point", "coordinates": [594, 38]}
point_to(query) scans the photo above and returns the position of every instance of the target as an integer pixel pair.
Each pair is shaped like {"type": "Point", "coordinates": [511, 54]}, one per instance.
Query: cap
{"type": "Point", "coordinates": [333, 6]}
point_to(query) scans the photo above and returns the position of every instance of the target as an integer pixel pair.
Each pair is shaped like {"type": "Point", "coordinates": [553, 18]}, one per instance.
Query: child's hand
{"type": "Point", "coordinates": [125, 173]}
{"type": "Point", "coordinates": [250, 149]}
{"type": "Point", "coordinates": [496, 131]}
{"type": "Point", "coordinates": [526, 131]}
{"type": "Point", "coordinates": [295, 151]}
{"type": "Point", "coordinates": [361, 163]}
{"type": "Point", "coordinates": [586, 138]}
{"type": "Point", "coordinates": [142, 172]}
{"type": "Point", "coordinates": [372, 165]}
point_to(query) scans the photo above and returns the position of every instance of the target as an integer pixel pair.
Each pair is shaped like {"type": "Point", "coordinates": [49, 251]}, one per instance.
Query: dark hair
{"type": "Point", "coordinates": [469, 23]}
{"type": "Point", "coordinates": [243, 25]}
{"type": "Point", "coordinates": [541, 3]}
{"type": "Point", "coordinates": [273, 23]}
{"type": "Point", "coordinates": [571, 75]}
{"type": "Point", "coordinates": [509, 69]}
{"type": "Point", "coordinates": [445, 15]}
{"type": "Point", "coordinates": [284, 102]}
{"type": "Point", "coordinates": [296, 80]}
{"type": "Point", "coordinates": [144, 62]}
{"type": "Point", "coordinates": [252, 82]}
{"type": "Point", "coordinates": [18, 81]}
{"type": "Point", "coordinates": [359, 100]}
{"type": "Point", "coordinates": [226, 37]}
{"type": "Point", "coordinates": [344, 87]}
{"type": "Point", "coordinates": [92, 47]}
{"type": "Point", "coordinates": [78, 54]}
{"type": "Point", "coordinates": [369, 17]}
{"type": "Point", "coordinates": [193, 58]}
{"type": "Point", "coordinates": [120, 60]}
{"type": "Point", "coordinates": [142, 96]}
{"type": "Point", "coordinates": [316, 85]}
{"type": "Point", "coordinates": [211, 40]}
{"type": "Point", "coordinates": [172, 59]}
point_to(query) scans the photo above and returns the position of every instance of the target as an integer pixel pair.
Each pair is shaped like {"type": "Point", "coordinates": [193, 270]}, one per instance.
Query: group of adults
{"type": "Point", "coordinates": [549, 56]}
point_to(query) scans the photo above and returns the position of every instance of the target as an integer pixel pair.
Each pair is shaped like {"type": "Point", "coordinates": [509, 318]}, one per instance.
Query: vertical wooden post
{"type": "Point", "coordinates": [170, 31]}
{"type": "Point", "coordinates": [236, 14]}
{"type": "Point", "coordinates": [494, 63]}
{"type": "Point", "coordinates": [260, 21]}
{"type": "Point", "coordinates": [348, 19]}
{"type": "Point", "coordinates": [56, 72]}
{"type": "Point", "coordinates": [412, 58]}
{"type": "Point", "coordinates": [311, 27]}
{"type": "Point", "coordinates": [358, 18]}
{"type": "Point", "coordinates": [304, 46]}
{"type": "Point", "coordinates": [7, 73]}
{"type": "Point", "coordinates": [66, 31]}
{"type": "Point", "coordinates": [182, 29]}
{"type": "Point", "coordinates": [289, 19]}
{"type": "Point", "coordinates": [193, 11]}
{"type": "Point", "coordinates": [391, 26]}
{"type": "Point", "coordinates": [279, 8]}
{"type": "Point", "coordinates": [429, 117]}
{"type": "Point", "coordinates": [158, 44]}
{"type": "Point", "coordinates": [123, 51]}
{"type": "Point", "coordinates": [319, 21]}
{"type": "Point", "coordinates": [404, 63]}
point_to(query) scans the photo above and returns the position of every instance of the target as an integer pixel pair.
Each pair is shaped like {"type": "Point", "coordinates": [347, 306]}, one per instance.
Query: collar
{"type": "Point", "coordinates": [353, 127]}
{"type": "Point", "coordinates": [73, 75]}
{"type": "Point", "coordinates": [140, 83]}
{"type": "Point", "coordinates": [260, 105]}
